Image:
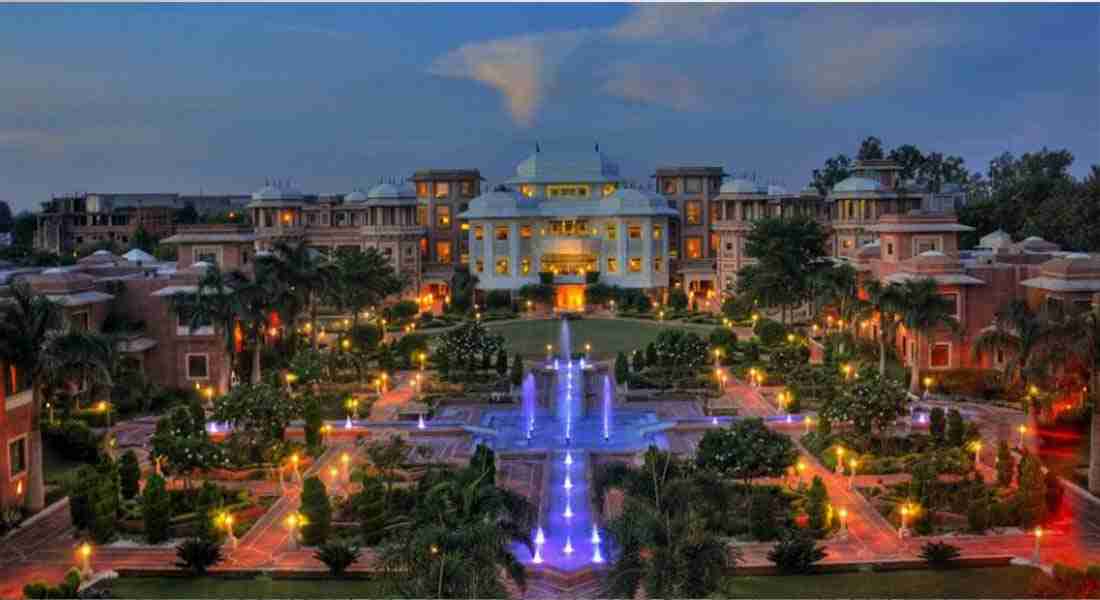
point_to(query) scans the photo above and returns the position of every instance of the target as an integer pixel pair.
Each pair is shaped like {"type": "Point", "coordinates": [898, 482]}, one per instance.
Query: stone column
{"type": "Point", "coordinates": [513, 246]}
{"type": "Point", "coordinates": [647, 249]}
{"type": "Point", "coordinates": [487, 233]}
{"type": "Point", "coordinates": [622, 247]}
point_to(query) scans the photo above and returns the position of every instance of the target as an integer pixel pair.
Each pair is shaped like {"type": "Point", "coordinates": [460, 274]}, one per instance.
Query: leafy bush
{"type": "Point", "coordinates": [156, 509]}
{"type": "Point", "coordinates": [762, 515]}
{"type": "Point", "coordinates": [984, 384]}
{"type": "Point", "coordinates": [937, 426]}
{"type": "Point", "coordinates": [939, 555]}
{"type": "Point", "coordinates": [1006, 465]}
{"type": "Point", "coordinates": [401, 311]}
{"type": "Point", "coordinates": [498, 299]}
{"type": "Point", "coordinates": [796, 553]}
{"type": "Point", "coordinates": [677, 299]}
{"type": "Point", "coordinates": [129, 473]}
{"type": "Point", "coordinates": [817, 507]}
{"type": "Point", "coordinates": [317, 511]}
{"type": "Point", "coordinates": [746, 449]}
{"type": "Point", "coordinates": [1067, 582]}
{"type": "Point", "coordinates": [591, 277]}
{"type": "Point", "coordinates": [66, 589]}
{"type": "Point", "coordinates": [770, 332]}
{"type": "Point", "coordinates": [73, 439]}
{"type": "Point", "coordinates": [79, 489]}
{"type": "Point", "coordinates": [197, 555]}
{"type": "Point", "coordinates": [337, 556]}
{"type": "Point", "coordinates": [956, 428]}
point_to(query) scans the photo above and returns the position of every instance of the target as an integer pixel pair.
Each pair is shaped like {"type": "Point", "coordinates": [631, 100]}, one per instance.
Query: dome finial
{"type": "Point", "coordinates": [597, 146]}
{"type": "Point", "coordinates": [536, 147]}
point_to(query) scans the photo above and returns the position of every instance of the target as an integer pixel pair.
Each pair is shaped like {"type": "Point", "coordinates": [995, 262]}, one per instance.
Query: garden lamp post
{"type": "Point", "coordinates": [847, 369]}
{"type": "Point", "coordinates": [334, 478]}
{"type": "Point", "coordinates": [326, 431]}
{"type": "Point", "coordinates": [353, 406]}
{"type": "Point", "coordinates": [226, 520]}
{"type": "Point", "coordinates": [1023, 432]}
{"type": "Point", "coordinates": [423, 359]}
{"type": "Point", "coordinates": [345, 465]}
{"type": "Point", "coordinates": [843, 514]}
{"type": "Point", "coordinates": [977, 448]}
{"type": "Point", "coordinates": [588, 350]}
{"type": "Point", "coordinates": [928, 381]}
{"type": "Point", "coordinates": [385, 379]}
{"type": "Point", "coordinates": [852, 464]}
{"type": "Point", "coordinates": [904, 529]}
{"type": "Point", "coordinates": [294, 523]}
{"type": "Point", "coordinates": [1038, 533]}
{"type": "Point", "coordinates": [85, 554]}
{"type": "Point", "coordinates": [717, 357]}
{"type": "Point", "coordinates": [839, 460]}
{"type": "Point", "coordinates": [800, 467]}
{"type": "Point", "coordinates": [549, 352]}
{"type": "Point", "coordinates": [105, 408]}
{"type": "Point", "coordinates": [294, 461]}
{"type": "Point", "coordinates": [807, 421]}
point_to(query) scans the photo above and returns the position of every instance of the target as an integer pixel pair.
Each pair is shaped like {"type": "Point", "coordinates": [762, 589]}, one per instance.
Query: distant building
{"type": "Point", "coordinates": [67, 223]}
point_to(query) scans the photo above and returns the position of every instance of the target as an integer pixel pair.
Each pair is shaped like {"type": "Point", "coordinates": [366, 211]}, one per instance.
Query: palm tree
{"type": "Point", "coordinates": [299, 279]}
{"type": "Point", "coordinates": [456, 540]}
{"type": "Point", "coordinates": [883, 300]}
{"type": "Point", "coordinates": [923, 309]}
{"type": "Point", "coordinates": [70, 355]}
{"type": "Point", "coordinates": [361, 279]}
{"type": "Point", "coordinates": [1022, 335]}
{"type": "Point", "coordinates": [213, 303]}
{"type": "Point", "coordinates": [25, 325]}
{"type": "Point", "coordinates": [1082, 336]}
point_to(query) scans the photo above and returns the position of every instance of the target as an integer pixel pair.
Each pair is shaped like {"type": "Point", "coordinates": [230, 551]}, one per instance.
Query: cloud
{"type": "Point", "coordinates": [834, 56]}
{"type": "Point", "coordinates": [523, 68]}
{"type": "Point", "coordinates": [704, 23]}
{"type": "Point", "coordinates": [660, 85]}
{"type": "Point", "coordinates": [333, 34]}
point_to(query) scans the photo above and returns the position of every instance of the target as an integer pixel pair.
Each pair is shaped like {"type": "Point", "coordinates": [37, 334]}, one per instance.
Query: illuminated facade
{"type": "Point", "coordinates": [569, 215]}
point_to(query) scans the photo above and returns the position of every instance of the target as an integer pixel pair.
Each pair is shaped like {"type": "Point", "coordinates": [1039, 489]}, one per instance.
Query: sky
{"type": "Point", "coordinates": [220, 98]}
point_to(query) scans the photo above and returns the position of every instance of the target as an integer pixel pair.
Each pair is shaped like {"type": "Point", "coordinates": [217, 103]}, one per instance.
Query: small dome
{"type": "Point", "coordinates": [635, 199]}
{"type": "Point", "coordinates": [356, 196]}
{"type": "Point", "coordinates": [390, 191]}
{"type": "Point", "coordinates": [776, 190]}
{"type": "Point", "coordinates": [739, 186]}
{"type": "Point", "coordinates": [276, 192]}
{"type": "Point", "coordinates": [858, 184]}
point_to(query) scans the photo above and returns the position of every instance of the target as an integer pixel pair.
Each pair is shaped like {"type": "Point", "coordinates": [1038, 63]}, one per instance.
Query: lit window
{"type": "Point", "coordinates": [656, 232]}
{"type": "Point", "coordinates": [634, 232]}
{"type": "Point", "coordinates": [693, 185]}
{"type": "Point", "coordinates": [464, 227]}
{"type": "Point", "coordinates": [525, 231]}
{"type": "Point", "coordinates": [422, 189]}
{"type": "Point", "coordinates": [479, 266]}
{"type": "Point", "coordinates": [693, 213]}
{"type": "Point", "coordinates": [612, 231]}
{"type": "Point", "coordinates": [714, 243]}
{"type": "Point", "coordinates": [502, 234]}
{"type": "Point", "coordinates": [635, 264]}
{"type": "Point", "coordinates": [478, 232]}
{"type": "Point", "coordinates": [467, 188]}
{"type": "Point", "coordinates": [941, 356]}
{"type": "Point", "coordinates": [421, 215]}
{"type": "Point", "coordinates": [443, 252]}
{"type": "Point", "coordinates": [889, 248]}
{"type": "Point", "coordinates": [443, 216]}
{"type": "Point", "coordinates": [464, 258]}
{"type": "Point", "coordinates": [502, 266]}
{"type": "Point", "coordinates": [926, 245]}
{"type": "Point", "coordinates": [567, 191]}
{"type": "Point", "coordinates": [846, 244]}
{"type": "Point", "coordinates": [525, 265]}
{"type": "Point", "coordinates": [17, 457]}
{"type": "Point", "coordinates": [527, 190]}
{"type": "Point", "coordinates": [612, 265]}
{"type": "Point", "coordinates": [208, 254]}
{"type": "Point", "coordinates": [608, 189]}
{"type": "Point", "coordinates": [693, 247]}
{"type": "Point", "coordinates": [197, 366]}
{"type": "Point", "coordinates": [715, 211]}
{"type": "Point", "coordinates": [953, 300]}
{"type": "Point", "coordinates": [668, 186]}
{"type": "Point", "coordinates": [442, 190]}
{"type": "Point", "coordinates": [657, 263]}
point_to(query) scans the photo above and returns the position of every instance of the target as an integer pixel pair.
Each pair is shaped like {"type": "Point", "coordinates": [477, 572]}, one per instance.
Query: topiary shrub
{"type": "Point", "coordinates": [817, 507]}
{"type": "Point", "coordinates": [337, 556]}
{"type": "Point", "coordinates": [317, 511]}
{"type": "Point", "coordinates": [156, 509]}
{"type": "Point", "coordinates": [677, 299]}
{"type": "Point", "coordinates": [197, 555]}
{"type": "Point", "coordinates": [770, 332]}
{"type": "Point", "coordinates": [1006, 464]}
{"type": "Point", "coordinates": [129, 475]}
{"type": "Point", "coordinates": [937, 426]}
{"type": "Point", "coordinates": [497, 299]}
{"type": "Point", "coordinates": [762, 515]}
{"type": "Point", "coordinates": [939, 555]}
{"type": "Point", "coordinates": [796, 553]}
{"type": "Point", "coordinates": [956, 428]}
{"type": "Point", "coordinates": [79, 489]}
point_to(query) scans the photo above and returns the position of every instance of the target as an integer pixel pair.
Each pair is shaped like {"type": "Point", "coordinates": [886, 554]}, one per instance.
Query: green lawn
{"type": "Point", "coordinates": [607, 336]}
{"type": "Point", "coordinates": [261, 587]}
{"type": "Point", "coordinates": [994, 582]}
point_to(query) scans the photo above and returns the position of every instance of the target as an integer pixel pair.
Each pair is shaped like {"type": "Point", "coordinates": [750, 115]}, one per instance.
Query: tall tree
{"type": "Point", "coordinates": [214, 304]}
{"type": "Point", "coordinates": [1023, 335]}
{"type": "Point", "coordinates": [361, 279]}
{"type": "Point", "coordinates": [785, 251]}
{"type": "Point", "coordinates": [300, 278]}
{"type": "Point", "coordinates": [836, 169]}
{"type": "Point", "coordinates": [924, 310]}
{"type": "Point", "coordinates": [885, 301]}
{"type": "Point", "coordinates": [870, 149]}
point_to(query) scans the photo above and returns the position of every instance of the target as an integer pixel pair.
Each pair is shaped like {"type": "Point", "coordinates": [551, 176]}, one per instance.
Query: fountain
{"type": "Point", "coordinates": [527, 395]}
{"type": "Point", "coordinates": [608, 401]}
{"type": "Point", "coordinates": [420, 422]}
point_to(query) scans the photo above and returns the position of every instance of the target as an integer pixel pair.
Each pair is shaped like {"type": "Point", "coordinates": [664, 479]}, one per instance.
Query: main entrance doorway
{"type": "Point", "coordinates": [569, 297]}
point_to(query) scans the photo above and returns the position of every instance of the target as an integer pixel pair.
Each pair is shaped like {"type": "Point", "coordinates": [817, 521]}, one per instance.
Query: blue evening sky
{"type": "Point", "coordinates": [220, 98]}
